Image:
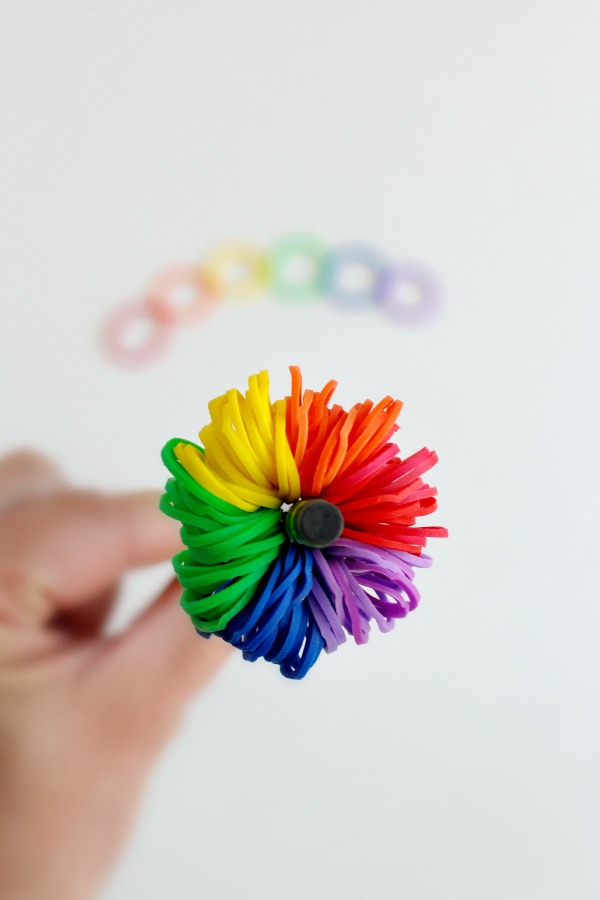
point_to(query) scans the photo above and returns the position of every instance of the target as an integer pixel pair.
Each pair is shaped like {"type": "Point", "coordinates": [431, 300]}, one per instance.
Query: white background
{"type": "Point", "coordinates": [457, 756]}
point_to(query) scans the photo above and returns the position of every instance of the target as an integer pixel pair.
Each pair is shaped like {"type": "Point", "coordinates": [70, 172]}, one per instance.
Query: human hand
{"type": "Point", "coordinates": [83, 715]}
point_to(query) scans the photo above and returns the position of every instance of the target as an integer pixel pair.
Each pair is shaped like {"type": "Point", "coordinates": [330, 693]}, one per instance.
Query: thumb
{"type": "Point", "coordinates": [148, 673]}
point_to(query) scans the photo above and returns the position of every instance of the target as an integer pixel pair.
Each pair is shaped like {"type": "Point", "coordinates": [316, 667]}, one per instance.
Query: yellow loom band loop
{"type": "Point", "coordinates": [215, 407]}
{"type": "Point", "coordinates": [280, 447]}
{"type": "Point", "coordinates": [263, 390]}
{"type": "Point", "coordinates": [225, 470]}
{"type": "Point", "coordinates": [218, 271]}
{"type": "Point", "coordinates": [263, 418]}
{"type": "Point", "coordinates": [218, 410]}
{"type": "Point", "coordinates": [254, 495]}
{"type": "Point", "coordinates": [192, 462]}
{"type": "Point", "coordinates": [245, 458]}
{"type": "Point", "coordinates": [257, 441]}
{"type": "Point", "coordinates": [254, 436]}
{"type": "Point", "coordinates": [235, 398]}
{"type": "Point", "coordinates": [217, 457]}
{"type": "Point", "coordinates": [244, 496]}
{"type": "Point", "coordinates": [199, 469]}
{"type": "Point", "coordinates": [292, 471]}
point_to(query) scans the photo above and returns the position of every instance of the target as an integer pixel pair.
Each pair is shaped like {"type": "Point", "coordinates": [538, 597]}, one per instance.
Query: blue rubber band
{"type": "Point", "coordinates": [278, 623]}
{"type": "Point", "coordinates": [345, 297]}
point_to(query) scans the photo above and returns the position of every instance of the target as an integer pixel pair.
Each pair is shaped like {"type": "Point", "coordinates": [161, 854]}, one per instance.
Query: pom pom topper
{"type": "Point", "coordinates": [299, 522]}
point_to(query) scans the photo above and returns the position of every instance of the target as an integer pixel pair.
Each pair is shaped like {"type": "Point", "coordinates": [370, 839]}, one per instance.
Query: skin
{"type": "Point", "coordinates": [83, 715]}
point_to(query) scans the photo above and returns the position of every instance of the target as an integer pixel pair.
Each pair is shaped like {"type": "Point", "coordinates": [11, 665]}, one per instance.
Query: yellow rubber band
{"type": "Point", "coordinates": [280, 444]}
{"type": "Point", "coordinates": [236, 271]}
{"type": "Point", "coordinates": [192, 462]}
{"type": "Point", "coordinates": [258, 444]}
{"type": "Point", "coordinates": [248, 461]}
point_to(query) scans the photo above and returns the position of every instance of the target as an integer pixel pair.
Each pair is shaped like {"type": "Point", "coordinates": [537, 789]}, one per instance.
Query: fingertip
{"type": "Point", "coordinates": [150, 535]}
{"type": "Point", "coordinates": [26, 474]}
{"type": "Point", "coordinates": [75, 544]}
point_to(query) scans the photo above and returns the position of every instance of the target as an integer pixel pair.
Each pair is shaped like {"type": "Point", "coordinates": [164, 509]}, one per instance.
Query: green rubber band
{"type": "Point", "coordinates": [229, 595]}
{"type": "Point", "coordinates": [197, 576]}
{"type": "Point", "coordinates": [204, 507]}
{"type": "Point", "coordinates": [176, 469]}
{"type": "Point", "coordinates": [220, 623]}
{"type": "Point", "coordinates": [282, 253]}
{"type": "Point", "coordinates": [274, 540]}
{"type": "Point", "coordinates": [234, 535]}
{"type": "Point", "coordinates": [228, 550]}
{"type": "Point", "coordinates": [185, 517]}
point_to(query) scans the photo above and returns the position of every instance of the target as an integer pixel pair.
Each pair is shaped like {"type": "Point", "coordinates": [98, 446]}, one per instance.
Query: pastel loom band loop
{"type": "Point", "coordinates": [292, 573]}
{"type": "Point", "coordinates": [305, 251]}
{"type": "Point", "coordinates": [119, 325]}
{"type": "Point", "coordinates": [336, 269]}
{"type": "Point", "coordinates": [236, 271]}
{"type": "Point", "coordinates": [162, 296]}
{"type": "Point", "coordinates": [417, 279]}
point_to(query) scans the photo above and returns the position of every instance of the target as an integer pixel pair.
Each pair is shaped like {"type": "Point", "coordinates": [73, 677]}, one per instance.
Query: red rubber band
{"type": "Point", "coordinates": [114, 331]}
{"type": "Point", "coordinates": [166, 308]}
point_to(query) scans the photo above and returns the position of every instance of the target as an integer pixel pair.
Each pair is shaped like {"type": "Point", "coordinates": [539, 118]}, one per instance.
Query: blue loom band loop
{"type": "Point", "coordinates": [257, 642]}
{"type": "Point", "coordinates": [264, 638]}
{"type": "Point", "coordinates": [289, 637]}
{"type": "Point", "coordinates": [301, 634]}
{"type": "Point", "coordinates": [278, 623]}
{"type": "Point", "coordinates": [305, 588]}
{"type": "Point", "coordinates": [347, 255]}
{"type": "Point", "coordinates": [247, 618]}
{"type": "Point", "coordinates": [296, 666]}
{"type": "Point", "coordinates": [312, 650]}
{"type": "Point", "coordinates": [269, 626]}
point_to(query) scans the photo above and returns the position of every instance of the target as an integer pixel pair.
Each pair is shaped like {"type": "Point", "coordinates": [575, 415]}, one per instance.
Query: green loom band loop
{"type": "Point", "coordinates": [204, 508]}
{"type": "Point", "coordinates": [226, 598]}
{"type": "Point", "coordinates": [201, 511]}
{"type": "Point", "coordinates": [216, 574]}
{"type": "Point", "coordinates": [229, 553]}
{"type": "Point", "coordinates": [228, 550]}
{"type": "Point", "coordinates": [210, 625]}
{"type": "Point", "coordinates": [283, 253]}
{"type": "Point", "coordinates": [199, 547]}
{"type": "Point", "coordinates": [201, 552]}
{"type": "Point", "coordinates": [236, 534]}
{"type": "Point", "coordinates": [176, 469]}
{"type": "Point", "coordinates": [166, 505]}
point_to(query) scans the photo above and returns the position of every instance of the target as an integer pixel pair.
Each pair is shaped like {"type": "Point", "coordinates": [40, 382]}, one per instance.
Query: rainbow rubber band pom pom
{"type": "Point", "coordinates": [299, 522]}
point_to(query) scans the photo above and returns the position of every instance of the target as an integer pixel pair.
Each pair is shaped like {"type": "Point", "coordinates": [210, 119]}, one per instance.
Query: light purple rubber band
{"type": "Point", "coordinates": [429, 288]}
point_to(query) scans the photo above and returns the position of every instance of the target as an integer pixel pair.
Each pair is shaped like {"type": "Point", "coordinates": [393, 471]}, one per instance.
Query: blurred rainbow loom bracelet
{"type": "Point", "coordinates": [299, 522]}
{"type": "Point", "coordinates": [297, 269]}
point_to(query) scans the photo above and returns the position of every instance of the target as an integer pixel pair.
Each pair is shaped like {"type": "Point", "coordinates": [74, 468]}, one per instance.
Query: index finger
{"type": "Point", "coordinates": [59, 551]}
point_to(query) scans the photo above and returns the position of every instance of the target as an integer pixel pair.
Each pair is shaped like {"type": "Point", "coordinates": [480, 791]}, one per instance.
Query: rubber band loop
{"type": "Point", "coordinates": [162, 300]}
{"type": "Point", "coordinates": [348, 256]}
{"type": "Point", "coordinates": [113, 335]}
{"type": "Point", "coordinates": [417, 278]}
{"type": "Point", "coordinates": [297, 248]}
{"type": "Point", "coordinates": [236, 271]}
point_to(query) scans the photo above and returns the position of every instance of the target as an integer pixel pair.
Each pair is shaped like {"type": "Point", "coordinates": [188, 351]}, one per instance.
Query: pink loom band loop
{"type": "Point", "coordinates": [113, 335]}
{"type": "Point", "coordinates": [163, 303]}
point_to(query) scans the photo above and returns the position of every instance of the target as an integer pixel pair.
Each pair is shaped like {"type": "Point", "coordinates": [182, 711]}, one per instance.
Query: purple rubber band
{"type": "Point", "coordinates": [344, 576]}
{"type": "Point", "coordinates": [398, 310]}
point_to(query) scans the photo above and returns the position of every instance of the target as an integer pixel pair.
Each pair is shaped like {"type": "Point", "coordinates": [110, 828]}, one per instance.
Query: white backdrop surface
{"type": "Point", "coordinates": [457, 758]}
